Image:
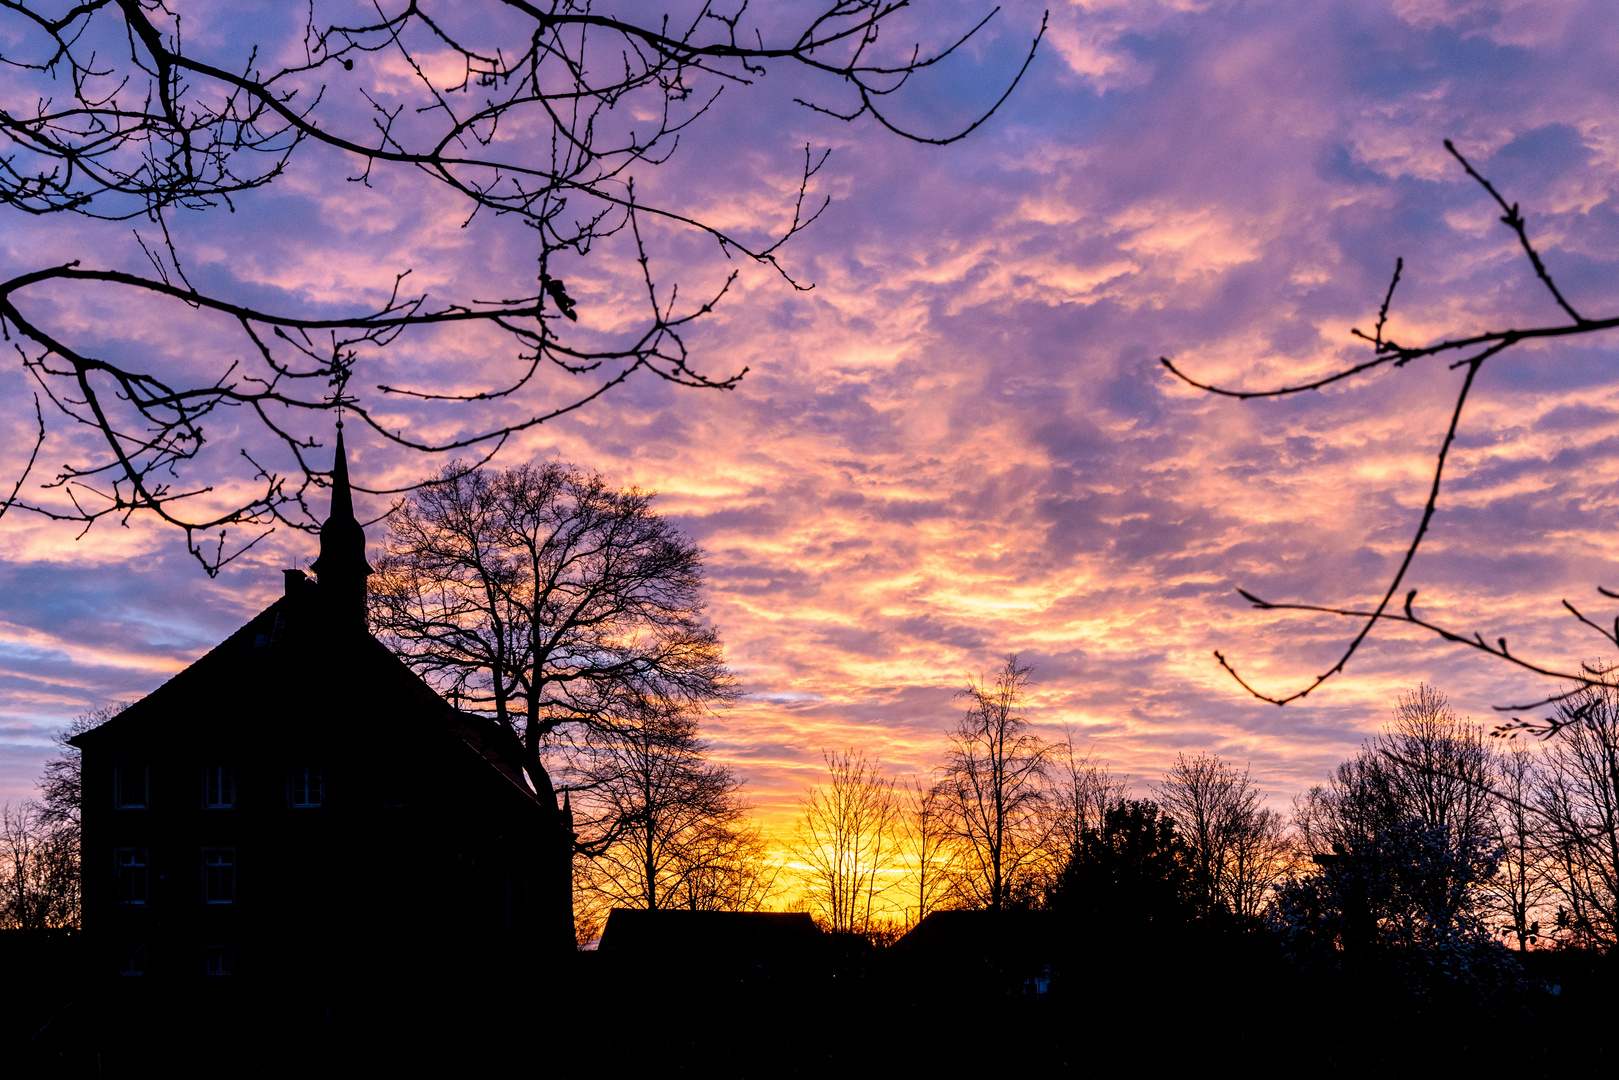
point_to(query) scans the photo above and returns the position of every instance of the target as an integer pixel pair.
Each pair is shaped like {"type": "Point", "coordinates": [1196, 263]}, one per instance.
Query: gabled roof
{"type": "Point", "coordinates": [307, 657]}
{"type": "Point", "coordinates": [286, 666]}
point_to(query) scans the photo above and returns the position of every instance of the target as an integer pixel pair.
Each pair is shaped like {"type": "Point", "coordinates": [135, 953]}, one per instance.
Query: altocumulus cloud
{"type": "Point", "coordinates": [960, 445]}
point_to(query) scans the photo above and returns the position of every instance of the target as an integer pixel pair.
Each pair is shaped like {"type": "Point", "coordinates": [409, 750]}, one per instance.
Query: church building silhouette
{"type": "Point", "coordinates": [299, 809]}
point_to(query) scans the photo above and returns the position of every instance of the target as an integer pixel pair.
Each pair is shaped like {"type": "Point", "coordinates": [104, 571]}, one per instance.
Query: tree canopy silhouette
{"type": "Point", "coordinates": [1132, 870]}
{"type": "Point", "coordinates": [548, 598]}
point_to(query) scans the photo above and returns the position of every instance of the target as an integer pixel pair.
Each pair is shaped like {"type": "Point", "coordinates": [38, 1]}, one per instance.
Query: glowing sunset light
{"type": "Point", "coordinates": [959, 444]}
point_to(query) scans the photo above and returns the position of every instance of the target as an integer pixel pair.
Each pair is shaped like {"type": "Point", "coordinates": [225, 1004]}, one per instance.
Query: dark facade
{"type": "Point", "coordinates": [1012, 952]}
{"type": "Point", "coordinates": [298, 808]}
{"type": "Point", "coordinates": [680, 939]}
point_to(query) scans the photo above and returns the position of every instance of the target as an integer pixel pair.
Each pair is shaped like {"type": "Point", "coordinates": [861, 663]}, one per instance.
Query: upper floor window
{"type": "Point", "coordinates": [129, 868]}
{"type": "Point", "coordinates": [132, 960]}
{"type": "Point", "coordinates": [307, 788]}
{"type": "Point", "coordinates": [130, 786]}
{"type": "Point", "coordinates": [218, 961]}
{"type": "Point", "coordinates": [218, 787]}
{"type": "Point", "coordinates": [219, 875]}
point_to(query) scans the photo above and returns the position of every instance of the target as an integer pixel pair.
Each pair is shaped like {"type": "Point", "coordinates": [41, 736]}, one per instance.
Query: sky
{"type": "Point", "coordinates": [959, 444]}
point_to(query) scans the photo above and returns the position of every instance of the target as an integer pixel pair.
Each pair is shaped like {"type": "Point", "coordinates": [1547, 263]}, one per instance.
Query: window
{"type": "Point", "coordinates": [130, 874]}
{"type": "Point", "coordinates": [132, 960]}
{"type": "Point", "coordinates": [306, 787]}
{"type": "Point", "coordinates": [129, 784]}
{"type": "Point", "coordinates": [218, 961]}
{"type": "Point", "coordinates": [219, 875]}
{"type": "Point", "coordinates": [218, 787]}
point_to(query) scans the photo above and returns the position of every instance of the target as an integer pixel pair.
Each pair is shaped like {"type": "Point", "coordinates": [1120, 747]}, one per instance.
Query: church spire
{"type": "Point", "coordinates": [342, 567]}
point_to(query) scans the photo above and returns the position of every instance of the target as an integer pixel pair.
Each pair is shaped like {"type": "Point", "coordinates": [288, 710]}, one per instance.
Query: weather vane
{"type": "Point", "coordinates": [340, 400]}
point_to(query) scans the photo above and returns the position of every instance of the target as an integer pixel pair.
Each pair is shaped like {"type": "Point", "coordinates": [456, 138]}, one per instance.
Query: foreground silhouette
{"type": "Point", "coordinates": [297, 827]}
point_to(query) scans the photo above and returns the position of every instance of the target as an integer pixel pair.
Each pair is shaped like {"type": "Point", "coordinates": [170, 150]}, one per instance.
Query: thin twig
{"type": "Point", "coordinates": [1387, 352]}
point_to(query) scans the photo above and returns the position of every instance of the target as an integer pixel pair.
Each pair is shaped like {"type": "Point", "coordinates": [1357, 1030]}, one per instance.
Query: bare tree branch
{"type": "Point", "coordinates": [536, 113]}
{"type": "Point", "coordinates": [1480, 347]}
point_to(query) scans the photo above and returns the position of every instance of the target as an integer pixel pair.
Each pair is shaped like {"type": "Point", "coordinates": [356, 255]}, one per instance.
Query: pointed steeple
{"type": "Point", "coordinates": [342, 567]}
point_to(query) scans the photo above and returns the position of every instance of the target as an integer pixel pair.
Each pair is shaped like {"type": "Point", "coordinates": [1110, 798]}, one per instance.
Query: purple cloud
{"type": "Point", "coordinates": [960, 444]}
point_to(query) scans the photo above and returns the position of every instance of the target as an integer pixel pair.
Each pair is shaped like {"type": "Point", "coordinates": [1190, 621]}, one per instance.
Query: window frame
{"type": "Point", "coordinates": [132, 962]}
{"type": "Point", "coordinates": [122, 773]}
{"type": "Point", "coordinates": [298, 778]}
{"type": "Point", "coordinates": [219, 878]}
{"type": "Point", "coordinates": [124, 879]}
{"type": "Point", "coordinates": [218, 786]}
{"type": "Point", "coordinates": [224, 955]}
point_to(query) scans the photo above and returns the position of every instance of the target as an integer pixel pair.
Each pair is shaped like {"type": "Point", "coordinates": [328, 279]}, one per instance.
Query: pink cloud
{"type": "Point", "coordinates": [959, 444]}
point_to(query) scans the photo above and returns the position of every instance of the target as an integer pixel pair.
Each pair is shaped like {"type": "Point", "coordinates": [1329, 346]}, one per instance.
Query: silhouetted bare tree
{"type": "Point", "coordinates": [61, 790]}
{"type": "Point", "coordinates": [659, 822]}
{"type": "Point", "coordinates": [728, 869]}
{"type": "Point", "coordinates": [928, 850]}
{"type": "Point", "coordinates": [1405, 892]}
{"type": "Point", "coordinates": [848, 843]}
{"type": "Point", "coordinates": [1466, 352]}
{"type": "Point", "coordinates": [1443, 771]}
{"type": "Point", "coordinates": [1428, 764]}
{"type": "Point", "coordinates": [1083, 791]}
{"type": "Point", "coordinates": [1405, 833]}
{"type": "Point", "coordinates": [997, 797]}
{"type": "Point", "coordinates": [536, 115]}
{"type": "Point", "coordinates": [551, 600]}
{"type": "Point", "coordinates": [1579, 804]}
{"type": "Point", "coordinates": [39, 839]}
{"type": "Point", "coordinates": [1525, 881]}
{"type": "Point", "coordinates": [39, 870]}
{"type": "Point", "coordinates": [1262, 855]}
{"type": "Point", "coordinates": [1236, 847]}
